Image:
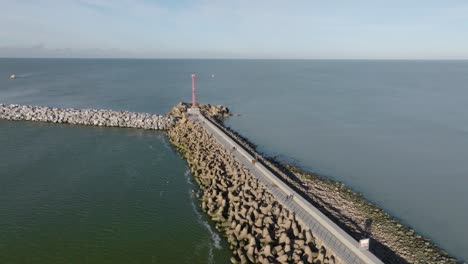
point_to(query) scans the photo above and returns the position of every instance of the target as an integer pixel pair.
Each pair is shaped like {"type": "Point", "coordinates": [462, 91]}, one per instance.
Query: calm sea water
{"type": "Point", "coordinates": [98, 195]}
{"type": "Point", "coordinates": [396, 131]}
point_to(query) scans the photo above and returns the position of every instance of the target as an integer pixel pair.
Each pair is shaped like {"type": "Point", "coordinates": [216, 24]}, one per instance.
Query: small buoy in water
{"type": "Point", "coordinates": [212, 75]}
{"type": "Point", "coordinates": [12, 76]}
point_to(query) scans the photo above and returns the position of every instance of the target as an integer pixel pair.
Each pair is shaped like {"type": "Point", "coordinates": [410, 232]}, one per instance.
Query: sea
{"type": "Point", "coordinates": [395, 131]}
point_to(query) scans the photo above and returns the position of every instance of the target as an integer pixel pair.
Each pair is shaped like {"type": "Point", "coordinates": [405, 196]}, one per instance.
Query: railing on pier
{"type": "Point", "coordinates": [334, 238]}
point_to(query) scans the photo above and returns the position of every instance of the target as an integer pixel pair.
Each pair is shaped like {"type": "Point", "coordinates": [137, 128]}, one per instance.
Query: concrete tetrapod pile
{"type": "Point", "coordinates": [258, 228]}
{"type": "Point", "coordinates": [91, 117]}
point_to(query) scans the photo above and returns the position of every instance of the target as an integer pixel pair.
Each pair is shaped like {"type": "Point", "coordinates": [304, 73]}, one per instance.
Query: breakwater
{"type": "Point", "coordinates": [259, 229]}
{"type": "Point", "coordinates": [89, 117]}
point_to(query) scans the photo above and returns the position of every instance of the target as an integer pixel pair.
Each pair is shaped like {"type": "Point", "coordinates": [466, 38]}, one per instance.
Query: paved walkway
{"type": "Point", "coordinates": [334, 238]}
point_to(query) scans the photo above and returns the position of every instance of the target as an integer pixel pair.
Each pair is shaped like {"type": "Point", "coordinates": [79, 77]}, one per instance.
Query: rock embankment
{"type": "Point", "coordinates": [392, 242]}
{"type": "Point", "coordinates": [258, 228]}
{"type": "Point", "coordinates": [215, 111]}
{"type": "Point", "coordinates": [91, 117]}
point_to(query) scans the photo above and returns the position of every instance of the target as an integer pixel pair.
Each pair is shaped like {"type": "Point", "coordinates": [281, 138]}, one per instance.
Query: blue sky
{"type": "Point", "coordinates": [310, 29]}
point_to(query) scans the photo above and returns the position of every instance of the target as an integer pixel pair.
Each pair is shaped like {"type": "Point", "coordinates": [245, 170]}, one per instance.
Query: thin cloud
{"type": "Point", "coordinates": [129, 7]}
{"type": "Point", "coordinates": [242, 28]}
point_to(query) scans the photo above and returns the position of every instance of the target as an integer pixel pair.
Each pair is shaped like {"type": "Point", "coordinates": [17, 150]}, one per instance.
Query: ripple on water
{"type": "Point", "coordinates": [108, 203]}
{"type": "Point", "coordinates": [215, 241]}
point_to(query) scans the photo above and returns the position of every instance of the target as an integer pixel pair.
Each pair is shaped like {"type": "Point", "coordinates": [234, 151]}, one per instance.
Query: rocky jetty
{"type": "Point", "coordinates": [258, 228]}
{"type": "Point", "coordinates": [391, 241]}
{"type": "Point", "coordinates": [213, 111]}
{"type": "Point", "coordinates": [91, 117]}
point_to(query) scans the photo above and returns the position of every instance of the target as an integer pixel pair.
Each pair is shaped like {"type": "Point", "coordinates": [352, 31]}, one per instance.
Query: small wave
{"type": "Point", "coordinates": [200, 248]}
{"type": "Point", "coordinates": [214, 236]}
{"type": "Point", "coordinates": [210, 255]}
{"type": "Point", "coordinates": [165, 142]}
{"type": "Point", "coordinates": [188, 177]}
{"type": "Point", "coordinates": [26, 75]}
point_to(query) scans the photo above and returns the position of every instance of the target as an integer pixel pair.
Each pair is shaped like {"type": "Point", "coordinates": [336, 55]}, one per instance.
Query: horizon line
{"type": "Point", "coordinates": [162, 58]}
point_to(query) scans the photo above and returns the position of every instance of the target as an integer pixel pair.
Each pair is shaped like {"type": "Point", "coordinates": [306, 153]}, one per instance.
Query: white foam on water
{"type": "Point", "coordinates": [26, 75]}
{"type": "Point", "coordinates": [210, 255]}
{"type": "Point", "coordinates": [214, 236]}
{"type": "Point", "coordinates": [188, 178]}
{"type": "Point", "coordinates": [216, 239]}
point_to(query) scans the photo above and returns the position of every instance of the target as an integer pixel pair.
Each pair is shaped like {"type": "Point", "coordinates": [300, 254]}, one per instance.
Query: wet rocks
{"type": "Point", "coordinates": [91, 117]}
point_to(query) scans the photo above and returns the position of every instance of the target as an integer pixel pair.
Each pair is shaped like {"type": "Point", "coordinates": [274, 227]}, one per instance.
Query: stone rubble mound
{"type": "Point", "coordinates": [215, 111]}
{"type": "Point", "coordinates": [90, 117]}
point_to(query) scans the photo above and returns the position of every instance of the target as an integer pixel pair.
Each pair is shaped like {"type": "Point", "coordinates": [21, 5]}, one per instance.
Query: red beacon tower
{"type": "Point", "coordinates": [193, 91]}
{"type": "Point", "coordinates": [194, 109]}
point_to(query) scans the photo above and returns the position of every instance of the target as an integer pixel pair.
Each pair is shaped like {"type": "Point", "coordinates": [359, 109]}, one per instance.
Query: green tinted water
{"type": "Point", "coordinates": [71, 194]}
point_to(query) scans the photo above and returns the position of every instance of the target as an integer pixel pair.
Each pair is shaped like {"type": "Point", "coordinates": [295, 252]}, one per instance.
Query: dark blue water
{"type": "Point", "coordinates": [396, 131]}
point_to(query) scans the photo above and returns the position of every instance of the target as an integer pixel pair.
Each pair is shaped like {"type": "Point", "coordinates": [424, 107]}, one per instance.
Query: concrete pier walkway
{"type": "Point", "coordinates": [342, 244]}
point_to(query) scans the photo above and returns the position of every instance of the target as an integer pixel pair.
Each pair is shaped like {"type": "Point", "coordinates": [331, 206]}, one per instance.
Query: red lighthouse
{"type": "Point", "coordinates": [193, 91]}
{"type": "Point", "coordinates": [193, 110]}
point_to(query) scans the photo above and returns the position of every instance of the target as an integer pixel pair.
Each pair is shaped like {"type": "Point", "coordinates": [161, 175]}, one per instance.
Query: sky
{"type": "Point", "coordinates": [296, 29]}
